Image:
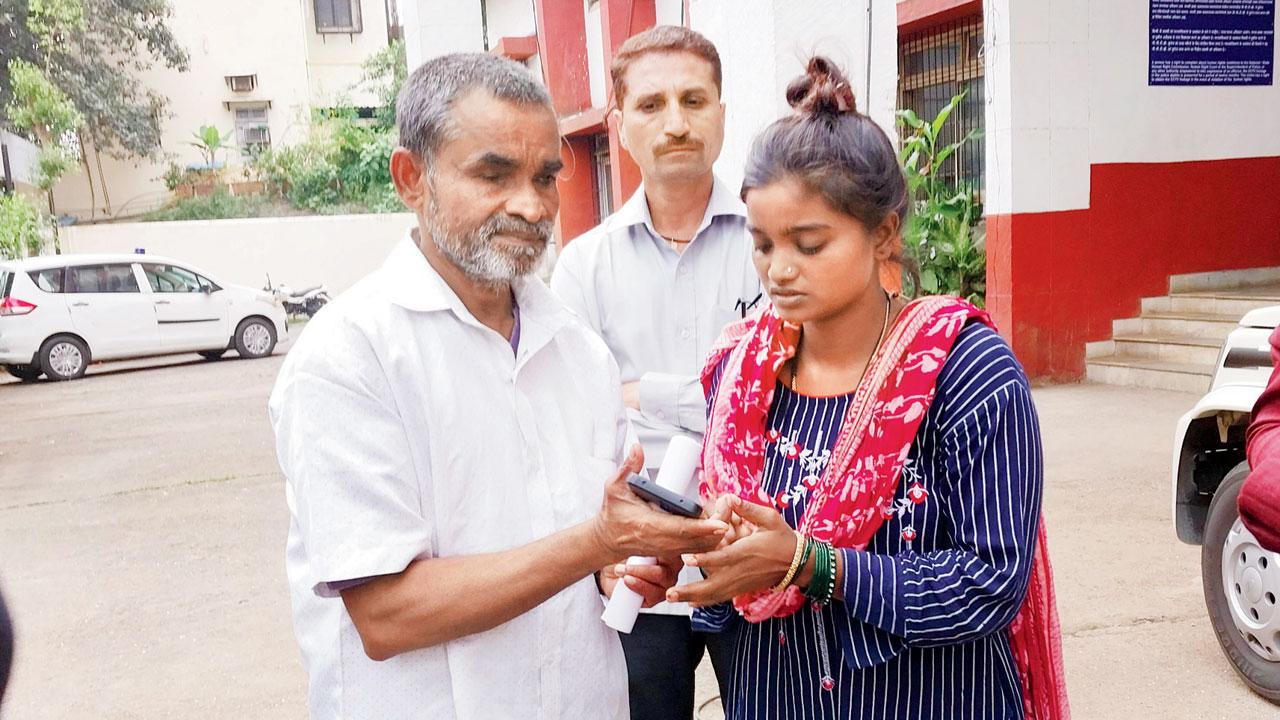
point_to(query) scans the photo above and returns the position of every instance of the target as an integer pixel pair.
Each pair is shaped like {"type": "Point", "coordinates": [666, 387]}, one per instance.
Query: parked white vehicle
{"type": "Point", "coordinates": [59, 313]}
{"type": "Point", "coordinates": [1241, 580]}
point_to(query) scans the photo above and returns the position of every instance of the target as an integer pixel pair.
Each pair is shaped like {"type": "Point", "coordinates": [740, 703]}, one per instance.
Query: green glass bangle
{"type": "Point", "coordinates": [820, 582]}
{"type": "Point", "coordinates": [831, 576]}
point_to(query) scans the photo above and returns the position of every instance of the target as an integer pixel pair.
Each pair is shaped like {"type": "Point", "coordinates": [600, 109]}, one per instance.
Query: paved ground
{"type": "Point", "coordinates": [142, 524]}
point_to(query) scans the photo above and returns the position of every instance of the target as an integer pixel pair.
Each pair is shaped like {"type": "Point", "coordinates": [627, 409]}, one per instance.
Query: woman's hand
{"type": "Point", "coordinates": [723, 511]}
{"type": "Point", "coordinates": [757, 560]}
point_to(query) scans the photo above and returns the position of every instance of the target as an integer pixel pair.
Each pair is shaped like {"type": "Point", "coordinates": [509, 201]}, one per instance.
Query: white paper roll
{"type": "Point", "coordinates": [679, 474]}
{"type": "Point", "coordinates": [679, 471]}
{"type": "Point", "coordinates": [623, 608]}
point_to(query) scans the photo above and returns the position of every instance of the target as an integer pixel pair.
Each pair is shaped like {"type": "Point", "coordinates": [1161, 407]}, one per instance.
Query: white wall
{"type": "Point", "coordinates": [437, 27]}
{"type": "Point", "coordinates": [509, 18]}
{"type": "Point", "coordinates": [297, 251]}
{"type": "Point", "coordinates": [1136, 123]}
{"type": "Point", "coordinates": [595, 56]}
{"type": "Point", "coordinates": [1066, 88]}
{"type": "Point", "coordinates": [334, 60]}
{"type": "Point", "coordinates": [220, 42]}
{"type": "Point", "coordinates": [761, 57]}
{"type": "Point", "coordinates": [1038, 124]}
{"type": "Point", "coordinates": [669, 12]}
{"type": "Point", "coordinates": [23, 157]}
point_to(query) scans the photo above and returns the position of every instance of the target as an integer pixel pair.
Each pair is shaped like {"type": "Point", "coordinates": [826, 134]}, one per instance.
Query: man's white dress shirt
{"type": "Point", "coordinates": [407, 429]}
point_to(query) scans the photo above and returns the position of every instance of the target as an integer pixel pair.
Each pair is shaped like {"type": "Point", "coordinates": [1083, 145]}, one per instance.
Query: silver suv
{"type": "Point", "coordinates": [1241, 580]}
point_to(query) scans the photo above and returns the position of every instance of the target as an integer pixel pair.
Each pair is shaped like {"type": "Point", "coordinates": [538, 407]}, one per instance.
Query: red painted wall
{"type": "Point", "coordinates": [1056, 280]}
{"type": "Point", "coordinates": [577, 189]}
{"type": "Point", "coordinates": [917, 15]}
{"type": "Point", "coordinates": [619, 20]}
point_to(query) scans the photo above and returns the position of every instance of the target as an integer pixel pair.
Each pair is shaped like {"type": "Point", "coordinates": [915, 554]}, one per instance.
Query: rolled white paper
{"type": "Point", "coordinates": [679, 474]}
{"type": "Point", "coordinates": [623, 608]}
{"type": "Point", "coordinates": [679, 471]}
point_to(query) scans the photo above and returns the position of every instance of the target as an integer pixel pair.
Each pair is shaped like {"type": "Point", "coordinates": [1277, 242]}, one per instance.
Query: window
{"type": "Point", "coordinates": [242, 83]}
{"type": "Point", "coordinates": [252, 131]}
{"type": "Point", "coordinates": [173, 279]}
{"type": "Point", "coordinates": [601, 163]}
{"type": "Point", "coordinates": [49, 280]}
{"type": "Point", "coordinates": [6, 280]}
{"type": "Point", "coordinates": [936, 65]}
{"type": "Point", "coordinates": [338, 16]}
{"type": "Point", "coordinates": [101, 279]}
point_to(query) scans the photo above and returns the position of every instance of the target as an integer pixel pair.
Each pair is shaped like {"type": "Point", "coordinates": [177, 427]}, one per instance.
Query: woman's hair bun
{"type": "Point", "coordinates": [822, 90]}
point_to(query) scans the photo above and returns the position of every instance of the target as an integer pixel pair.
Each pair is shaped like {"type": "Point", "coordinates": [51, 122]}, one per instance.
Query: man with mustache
{"type": "Point", "coordinates": [658, 280]}
{"type": "Point", "coordinates": [452, 439]}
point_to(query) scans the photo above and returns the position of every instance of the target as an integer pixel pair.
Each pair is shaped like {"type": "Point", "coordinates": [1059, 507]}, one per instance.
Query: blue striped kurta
{"type": "Point", "coordinates": [922, 632]}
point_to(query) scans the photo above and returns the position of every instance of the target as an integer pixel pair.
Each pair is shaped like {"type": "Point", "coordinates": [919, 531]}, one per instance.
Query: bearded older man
{"type": "Point", "coordinates": [452, 439]}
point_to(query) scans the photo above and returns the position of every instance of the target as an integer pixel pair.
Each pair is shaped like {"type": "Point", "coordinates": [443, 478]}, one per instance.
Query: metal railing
{"type": "Point", "coordinates": [935, 65]}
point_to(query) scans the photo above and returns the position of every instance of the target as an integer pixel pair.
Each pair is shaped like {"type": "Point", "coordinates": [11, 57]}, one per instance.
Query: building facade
{"type": "Point", "coordinates": [1097, 184]}
{"type": "Point", "coordinates": [257, 70]}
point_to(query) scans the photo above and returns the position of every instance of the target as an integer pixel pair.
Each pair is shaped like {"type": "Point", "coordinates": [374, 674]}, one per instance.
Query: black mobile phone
{"type": "Point", "coordinates": [664, 498]}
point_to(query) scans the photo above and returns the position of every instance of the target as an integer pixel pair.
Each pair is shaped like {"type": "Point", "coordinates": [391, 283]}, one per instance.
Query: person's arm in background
{"type": "Point", "coordinates": [1260, 496]}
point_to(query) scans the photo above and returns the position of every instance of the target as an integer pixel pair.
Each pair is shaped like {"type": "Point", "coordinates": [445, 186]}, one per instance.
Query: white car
{"type": "Point", "coordinates": [1241, 580]}
{"type": "Point", "coordinates": [59, 313]}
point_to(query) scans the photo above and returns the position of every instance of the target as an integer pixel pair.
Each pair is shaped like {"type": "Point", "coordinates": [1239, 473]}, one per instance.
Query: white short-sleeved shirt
{"type": "Point", "coordinates": [406, 429]}
{"type": "Point", "coordinates": [660, 311]}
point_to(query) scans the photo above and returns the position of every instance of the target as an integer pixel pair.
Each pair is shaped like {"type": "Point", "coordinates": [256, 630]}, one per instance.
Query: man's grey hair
{"type": "Point", "coordinates": [423, 107]}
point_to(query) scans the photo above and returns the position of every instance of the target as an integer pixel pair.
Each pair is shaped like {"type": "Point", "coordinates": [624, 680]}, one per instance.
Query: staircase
{"type": "Point", "coordinates": [1174, 343]}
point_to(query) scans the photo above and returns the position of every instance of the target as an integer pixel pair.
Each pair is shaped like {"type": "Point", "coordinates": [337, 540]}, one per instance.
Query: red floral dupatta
{"type": "Point", "coordinates": [847, 505]}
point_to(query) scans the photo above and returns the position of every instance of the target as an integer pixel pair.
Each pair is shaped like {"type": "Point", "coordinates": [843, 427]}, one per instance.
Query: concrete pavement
{"type": "Point", "coordinates": [142, 526]}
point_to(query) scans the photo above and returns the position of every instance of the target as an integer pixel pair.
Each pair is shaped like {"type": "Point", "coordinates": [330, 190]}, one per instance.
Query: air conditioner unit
{"type": "Point", "coordinates": [242, 83]}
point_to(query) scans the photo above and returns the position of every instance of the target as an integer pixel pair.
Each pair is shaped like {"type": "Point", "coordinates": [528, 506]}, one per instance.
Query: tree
{"type": "Point", "coordinates": [95, 64]}
{"type": "Point", "coordinates": [385, 71]}
{"type": "Point", "coordinates": [39, 107]}
{"type": "Point", "coordinates": [21, 227]}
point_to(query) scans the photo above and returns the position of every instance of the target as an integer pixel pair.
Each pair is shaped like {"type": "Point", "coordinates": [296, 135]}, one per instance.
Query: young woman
{"type": "Point", "coordinates": [880, 459]}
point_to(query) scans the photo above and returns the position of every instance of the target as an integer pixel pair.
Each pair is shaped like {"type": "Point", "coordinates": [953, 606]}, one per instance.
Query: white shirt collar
{"type": "Point", "coordinates": [635, 211]}
{"type": "Point", "coordinates": [416, 286]}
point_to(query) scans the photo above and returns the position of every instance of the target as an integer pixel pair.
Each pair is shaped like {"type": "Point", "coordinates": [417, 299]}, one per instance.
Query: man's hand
{"type": "Point", "coordinates": [650, 581]}
{"type": "Point", "coordinates": [626, 525]}
{"type": "Point", "coordinates": [631, 395]}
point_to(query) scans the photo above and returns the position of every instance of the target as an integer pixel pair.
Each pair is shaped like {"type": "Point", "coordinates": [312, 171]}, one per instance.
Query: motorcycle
{"type": "Point", "coordinates": [299, 302]}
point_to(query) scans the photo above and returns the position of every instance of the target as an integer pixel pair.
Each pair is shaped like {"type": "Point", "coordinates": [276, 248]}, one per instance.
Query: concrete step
{"type": "Point", "coordinates": [1235, 305]}
{"type": "Point", "coordinates": [1213, 281]}
{"type": "Point", "coordinates": [1168, 348]}
{"type": "Point", "coordinates": [1147, 373]}
{"type": "Point", "coordinates": [1184, 324]}
{"type": "Point", "coordinates": [1174, 343]}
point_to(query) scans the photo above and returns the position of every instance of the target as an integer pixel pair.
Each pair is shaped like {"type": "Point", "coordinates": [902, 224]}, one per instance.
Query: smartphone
{"type": "Point", "coordinates": [664, 498]}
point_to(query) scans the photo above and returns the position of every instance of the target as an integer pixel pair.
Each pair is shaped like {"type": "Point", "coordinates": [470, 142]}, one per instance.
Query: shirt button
{"type": "Point", "coordinates": [684, 270]}
{"type": "Point", "coordinates": [662, 414]}
{"type": "Point", "coordinates": [685, 333]}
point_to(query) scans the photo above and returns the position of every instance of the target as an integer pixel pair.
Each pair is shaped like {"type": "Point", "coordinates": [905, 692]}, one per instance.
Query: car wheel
{"type": "Point", "coordinates": [64, 358]}
{"type": "Point", "coordinates": [213, 354]}
{"type": "Point", "coordinates": [255, 338]}
{"type": "Point", "coordinates": [25, 373]}
{"type": "Point", "coordinates": [1241, 590]}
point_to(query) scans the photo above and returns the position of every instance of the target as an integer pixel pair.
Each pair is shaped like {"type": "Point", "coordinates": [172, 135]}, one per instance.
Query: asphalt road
{"type": "Point", "coordinates": [142, 527]}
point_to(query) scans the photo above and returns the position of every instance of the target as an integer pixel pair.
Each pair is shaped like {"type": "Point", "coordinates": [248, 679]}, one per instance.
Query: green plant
{"type": "Point", "coordinates": [173, 175]}
{"type": "Point", "coordinates": [386, 71]}
{"type": "Point", "coordinates": [209, 141]}
{"type": "Point", "coordinates": [219, 205]}
{"type": "Point", "coordinates": [21, 226]}
{"type": "Point", "coordinates": [941, 233]}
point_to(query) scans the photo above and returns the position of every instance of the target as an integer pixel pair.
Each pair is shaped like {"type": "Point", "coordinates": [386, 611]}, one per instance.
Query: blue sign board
{"type": "Point", "coordinates": [1212, 42]}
